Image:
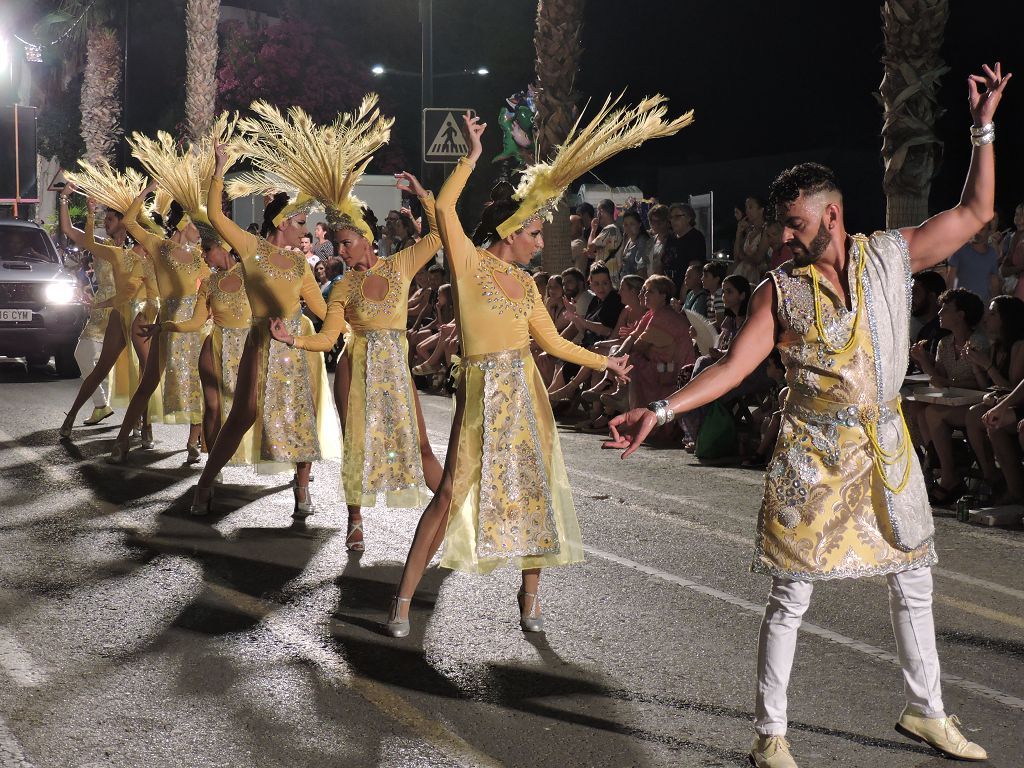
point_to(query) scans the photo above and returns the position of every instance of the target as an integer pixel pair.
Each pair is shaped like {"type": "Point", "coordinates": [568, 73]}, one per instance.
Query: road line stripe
{"type": "Point", "coordinates": [12, 755]}
{"type": "Point", "coordinates": [980, 610]}
{"type": "Point", "coordinates": [869, 650]}
{"type": "Point", "coordinates": [331, 667]}
{"type": "Point", "coordinates": [686, 501]}
{"type": "Point", "coordinates": [18, 663]}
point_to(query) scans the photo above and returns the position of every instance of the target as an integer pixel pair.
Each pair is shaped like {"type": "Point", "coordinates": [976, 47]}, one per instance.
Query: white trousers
{"type": "Point", "coordinates": [87, 354]}
{"type": "Point", "coordinates": [910, 604]}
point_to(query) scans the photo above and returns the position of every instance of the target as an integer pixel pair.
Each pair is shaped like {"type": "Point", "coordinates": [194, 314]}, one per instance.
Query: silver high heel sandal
{"type": "Point", "coordinates": [147, 438]}
{"type": "Point", "coordinates": [395, 626]}
{"type": "Point", "coordinates": [530, 619]}
{"type": "Point", "coordinates": [303, 508]}
{"type": "Point", "coordinates": [65, 428]}
{"type": "Point", "coordinates": [192, 453]}
{"type": "Point", "coordinates": [353, 528]}
{"type": "Point", "coordinates": [198, 507]}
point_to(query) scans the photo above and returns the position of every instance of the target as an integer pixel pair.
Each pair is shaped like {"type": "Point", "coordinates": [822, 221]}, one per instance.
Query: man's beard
{"type": "Point", "coordinates": [805, 255]}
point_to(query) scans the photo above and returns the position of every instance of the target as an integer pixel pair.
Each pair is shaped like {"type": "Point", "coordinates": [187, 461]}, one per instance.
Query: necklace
{"type": "Point", "coordinates": [859, 303]}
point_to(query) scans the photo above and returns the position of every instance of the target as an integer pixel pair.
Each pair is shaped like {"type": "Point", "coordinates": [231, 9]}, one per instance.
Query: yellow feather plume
{"type": "Point", "coordinates": [107, 186]}
{"type": "Point", "coordinates": [609, 132]}
{"type": "Point", "coordinates": [323, 162]}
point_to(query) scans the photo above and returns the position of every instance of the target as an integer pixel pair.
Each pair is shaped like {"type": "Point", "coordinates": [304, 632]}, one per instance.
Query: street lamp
{"type": "Point", "coordinates": [378, 69]}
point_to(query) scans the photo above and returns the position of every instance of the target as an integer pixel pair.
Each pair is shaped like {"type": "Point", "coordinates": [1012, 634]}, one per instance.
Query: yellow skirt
{"type": "Point", "coordinates": [127, 372]}
{"type": "Point", "coordinates": [181, 400]}
{"type": "Point", "coordinates": [295, 420]}
{"type": "Point", "coordinates": [227, 345]}
{"type": "Point", "coordinates": [381, 435]}
{"type": "Point", "coordinates": [511, 500]}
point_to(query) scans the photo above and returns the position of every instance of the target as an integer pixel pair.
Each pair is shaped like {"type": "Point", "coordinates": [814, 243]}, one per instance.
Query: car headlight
{"type": "Point", "coordinates": [60, 293]}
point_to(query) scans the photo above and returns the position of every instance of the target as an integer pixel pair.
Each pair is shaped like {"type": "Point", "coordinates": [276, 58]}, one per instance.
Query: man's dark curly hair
{"type": "Point", "coordinates": [809, 178]}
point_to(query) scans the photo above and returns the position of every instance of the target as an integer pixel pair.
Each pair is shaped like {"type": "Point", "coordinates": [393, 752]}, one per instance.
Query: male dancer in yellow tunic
{"type": "Point", "coordinates": [844, 494]}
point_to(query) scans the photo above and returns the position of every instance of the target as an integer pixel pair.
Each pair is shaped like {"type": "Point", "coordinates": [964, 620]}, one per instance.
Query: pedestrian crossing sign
{"type": "Point", "coordinates": [443, 139]}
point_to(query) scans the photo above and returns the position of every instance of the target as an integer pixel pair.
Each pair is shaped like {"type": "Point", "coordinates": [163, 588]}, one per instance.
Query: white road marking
{"type": "Point", "coordinates": [12, 755]}
{"type": "Point", "coordinates": [18, 663]}
{"type": "Point", "coordinates": [869, 650]}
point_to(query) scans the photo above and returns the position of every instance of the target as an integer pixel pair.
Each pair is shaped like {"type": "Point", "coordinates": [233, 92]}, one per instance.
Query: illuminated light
{"type": "Point", "coordinates": [60, 293]}
{"type": "Point", "coordinates": [378, 69]}
{"type": "Point", "coordinates": [483, 71]}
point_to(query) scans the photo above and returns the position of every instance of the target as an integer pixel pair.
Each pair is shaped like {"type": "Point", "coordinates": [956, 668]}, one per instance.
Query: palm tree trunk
{"type": "Point", "coordinates": [101, 95]}
{"type": "Point", "coordinates": [556, 40]}
{"type": "Point", "coordinates": [201, 17]}
{"type": "Point", "coordinates": [911, 151]}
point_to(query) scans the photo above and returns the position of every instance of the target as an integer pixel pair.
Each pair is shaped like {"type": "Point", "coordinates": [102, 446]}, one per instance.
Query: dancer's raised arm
{"type": "Point", "coordinates": [936, 239]}
{"type": "Point", "coordinates": [459, 250]}
{"type": "Point", "coordinates": [244, 243]}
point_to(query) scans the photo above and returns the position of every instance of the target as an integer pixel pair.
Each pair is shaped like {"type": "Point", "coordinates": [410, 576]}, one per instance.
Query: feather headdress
{"type": "Point", "coordinates": [323, 162]}
{"type": "Point", "coordinates": [106, 186]}
{"type": "Point", "coordinates": [610, 131]}
{"type": "Point", "coordinates": [184, 174]}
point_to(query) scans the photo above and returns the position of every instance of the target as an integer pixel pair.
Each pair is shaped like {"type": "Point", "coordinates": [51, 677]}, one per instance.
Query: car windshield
{"type": "Point", "coordinates": [25, 244]}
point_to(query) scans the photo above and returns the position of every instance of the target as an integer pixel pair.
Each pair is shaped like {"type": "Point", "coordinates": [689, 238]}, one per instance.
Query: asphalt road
{"type": "Point", "coordinates": [134, 635]}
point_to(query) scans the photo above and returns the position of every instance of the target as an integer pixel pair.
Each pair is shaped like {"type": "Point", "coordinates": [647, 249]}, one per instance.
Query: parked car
{"type": "Point", "coordinates": [41, 309]}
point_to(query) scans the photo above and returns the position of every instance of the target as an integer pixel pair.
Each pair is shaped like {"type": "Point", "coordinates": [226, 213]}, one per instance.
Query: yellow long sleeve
{"type": "Point", "coordinates": [459, 250]}
{"type": "Point", "coordinates": [149, 240]}
{"type": "Point", "coordinates": [411, 260]}
{"type": "Point", "coordinates": [200, 313]}
{"type": "Point", "coordinates": [543, 331]}
{"type": "Point", "coordinates": [334, 321]}
{"type": "Point", "coordinates": [243, 242]}
{"type": "Point", "coordinates": [312, 295]}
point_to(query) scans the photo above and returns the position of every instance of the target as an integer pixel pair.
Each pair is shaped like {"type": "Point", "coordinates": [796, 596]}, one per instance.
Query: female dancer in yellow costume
{"type": "Point", "coordinates": [173, 359]}
{"type": "Point", "coordinates": [279, 393]}
{"type": "Point", "coordinates": [504, 493]}
{"type": "Point", "coordinates": [386, 449]}
{"type": "Point", "coordinates": [134, 302]}
{"type": "Point", "coordinates": [90, 342]}
{"type": "Point", "coordinates": [223, 300]}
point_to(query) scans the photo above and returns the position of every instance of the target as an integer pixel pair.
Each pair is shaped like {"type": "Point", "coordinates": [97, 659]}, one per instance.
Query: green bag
{"type": "Point", "coordinates": [717, 437]}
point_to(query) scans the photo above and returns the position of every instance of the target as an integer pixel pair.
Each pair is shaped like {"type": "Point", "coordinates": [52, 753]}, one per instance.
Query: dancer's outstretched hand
{"type": "Point", "coordinates": [619, 367]}
{"type": "Point", "coordinates": [474, 130]}
{"type": "Point", "coordinates": [280, 331]}
{"type": "Point", "coordinates": [630, 429]}
{"type": "Point", "coordinates": [220, 152]}
{"type": "Point", "coordinates": [149, 330]}
{"type": "Point", "coordinates": [983, 104]}
{"type": "Point", "coordinates": [406, 182]}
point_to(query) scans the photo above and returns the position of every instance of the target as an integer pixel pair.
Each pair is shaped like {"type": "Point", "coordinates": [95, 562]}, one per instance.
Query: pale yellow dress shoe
{"type": "Point", "coordinates": [771, 752]}
{"type": "Point", "coordinates": [99, 413]}
{"type": "Point", "coordinates": [942, 733]}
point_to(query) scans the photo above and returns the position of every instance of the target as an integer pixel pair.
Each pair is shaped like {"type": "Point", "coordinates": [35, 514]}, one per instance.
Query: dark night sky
{"type": "Point", "coordinates": [771, 82]}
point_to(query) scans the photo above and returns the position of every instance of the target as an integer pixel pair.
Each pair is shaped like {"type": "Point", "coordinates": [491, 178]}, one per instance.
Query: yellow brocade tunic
{"type": "Point", "coordinates": [826, 512]}
{"type": "Point", "coordinates": [381, 434]}
{"type": "Point", "coordinates": [181, 394]}
{"type": "Point", "coordinates": [511, 499]}
{"type": "Point", "coordinates": [135, 292]}
{"type": "Point", "coordinates": [295, 419]}
{"type": "Point", "coordinates": [222, 299]}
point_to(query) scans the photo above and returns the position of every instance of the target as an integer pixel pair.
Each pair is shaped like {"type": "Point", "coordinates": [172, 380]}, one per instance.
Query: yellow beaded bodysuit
{"type": "Point", "coordinates": [511, 499]}
{"type": "Point", "coordinates": [295, 421]}
{"type": "Point", "coordinates": [223, 300]}
{"type": "Point", "coordinates": [177, 278]}
{"type": "Point", "coordinates": [381, 435]}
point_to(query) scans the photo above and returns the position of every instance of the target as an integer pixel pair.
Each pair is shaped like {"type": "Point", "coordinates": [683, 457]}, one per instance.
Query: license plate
{"type": "Point", "coordinates": [16, 315]}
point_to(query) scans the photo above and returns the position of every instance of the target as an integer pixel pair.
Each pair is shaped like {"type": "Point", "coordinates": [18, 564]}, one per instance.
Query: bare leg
{"type": "Point", "coordinates": [431, 466]}
{"type": "Point", "coordinates": [194, 431]}
{"type": "Point", "coordinates": [342, 384]}
{"type": "Point", "coordinates": [211, 393]}
{"type": "Point", "coordinates": [979, 440]}
{"type": "Point", "coordinates": [113, 345]}
{"type": "Point", "coordinates": [141, 345]}
{"type": "Point", "coordinates": [431, 528]}
{"type": "Point", "coordinates": [139, 404]}
{"type": "Point", "coordinates": [941, 419]}
{"type": "Point", "coordinates": [238, 422]}
{"type": "Point", "coordinates": [1007, 449]}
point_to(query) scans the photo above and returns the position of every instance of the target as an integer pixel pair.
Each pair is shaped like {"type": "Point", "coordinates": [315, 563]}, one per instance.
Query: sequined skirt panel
{"type": "Point", "coordinates": [96, 326]}
{"type": "Point", "coordinates": [511, 500]}
{"type": "Point", "coordinates": [381, 435]}
{"type": "Point", "coordinates": [182, 392]}
{"type": "Point", "coordinates": [292, 422]}
{"type": "Point", "coordinates": [820, 516]}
